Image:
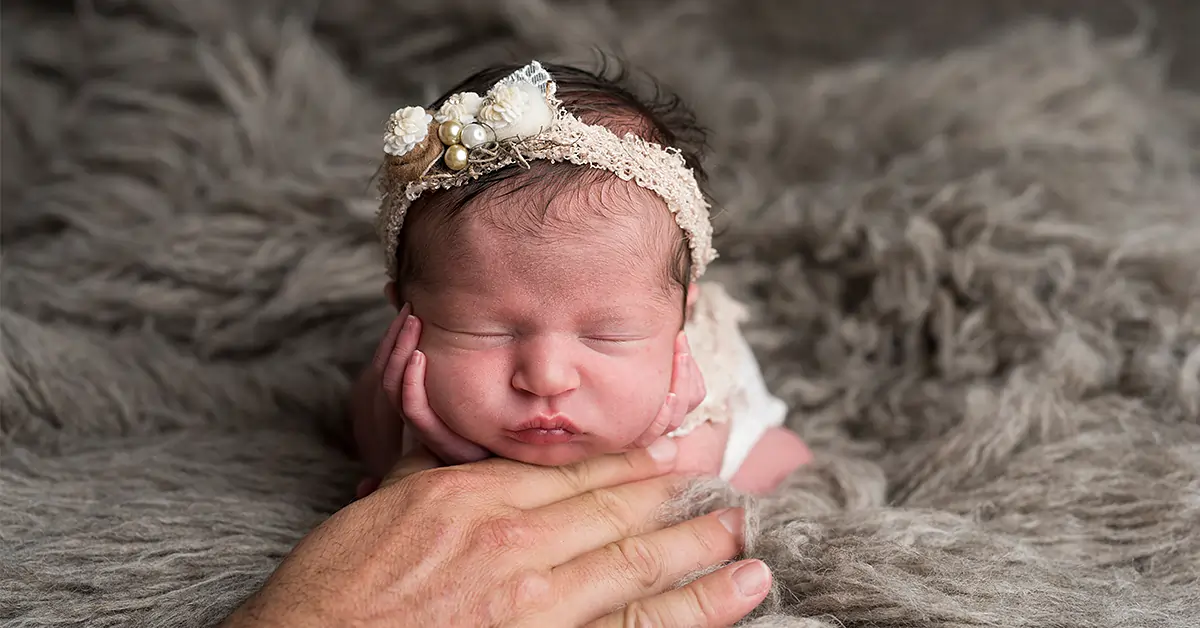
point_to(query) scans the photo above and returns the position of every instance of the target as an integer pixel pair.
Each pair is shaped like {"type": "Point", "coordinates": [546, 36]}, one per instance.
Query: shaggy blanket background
{"type": "Point", "coordinates": [976, 279]}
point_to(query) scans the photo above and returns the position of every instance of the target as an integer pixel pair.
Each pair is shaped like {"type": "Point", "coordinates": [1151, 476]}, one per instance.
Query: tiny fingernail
{"type": "Point", "coordinates": [663, 449]}
{"type": "Point", "coordinates": [751, 579]}
{"type": "Point", "coordinates": [731, 518]}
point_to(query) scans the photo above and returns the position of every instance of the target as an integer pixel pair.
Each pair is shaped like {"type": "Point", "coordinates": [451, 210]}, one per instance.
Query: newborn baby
{"type": "Point", "coordinates": [548, 247]}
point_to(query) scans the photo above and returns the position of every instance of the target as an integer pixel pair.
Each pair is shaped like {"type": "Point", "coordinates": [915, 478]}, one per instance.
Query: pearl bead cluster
{"type": "Point", "coordinates": [459, 139]}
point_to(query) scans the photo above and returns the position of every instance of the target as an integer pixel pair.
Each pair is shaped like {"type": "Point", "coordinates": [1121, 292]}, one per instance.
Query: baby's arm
{"type": "Point", "coordinates": [751, 449]}
{"type": "Point", "coordinates": [776, 455]}
{"type": "Point", "coordinates": [779, 452]}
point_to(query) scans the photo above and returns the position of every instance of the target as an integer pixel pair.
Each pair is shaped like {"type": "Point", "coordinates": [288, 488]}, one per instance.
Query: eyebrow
{"type": "Point", "coordinates": [614, 314]}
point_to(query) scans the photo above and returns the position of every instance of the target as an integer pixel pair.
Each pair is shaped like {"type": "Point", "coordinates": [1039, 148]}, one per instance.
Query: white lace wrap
{"type": "Point", "coordinates": [737, 392]}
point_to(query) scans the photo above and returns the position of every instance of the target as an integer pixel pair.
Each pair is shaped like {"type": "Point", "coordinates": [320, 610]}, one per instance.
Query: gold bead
{"type": "Point", "coordinates": [450, 132]}
{"type": "Point", "coordinates": [456, 157]}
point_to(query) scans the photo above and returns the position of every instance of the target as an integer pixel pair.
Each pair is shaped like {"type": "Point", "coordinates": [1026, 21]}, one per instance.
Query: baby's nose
{"type": "Point", "coordinates": [546, 370]}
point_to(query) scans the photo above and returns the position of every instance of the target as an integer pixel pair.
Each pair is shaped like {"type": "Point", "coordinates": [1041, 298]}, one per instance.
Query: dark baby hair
{"type": "Point", "coordinates": [603, 97]}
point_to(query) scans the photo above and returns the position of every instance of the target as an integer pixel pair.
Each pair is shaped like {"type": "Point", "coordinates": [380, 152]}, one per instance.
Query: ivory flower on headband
{"type": "Point", "coordinates": [520, 120]}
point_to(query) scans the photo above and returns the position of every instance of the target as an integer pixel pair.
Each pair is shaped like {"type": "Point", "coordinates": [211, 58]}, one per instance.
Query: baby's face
{"type": "Point", "coordinates": [553, 349]}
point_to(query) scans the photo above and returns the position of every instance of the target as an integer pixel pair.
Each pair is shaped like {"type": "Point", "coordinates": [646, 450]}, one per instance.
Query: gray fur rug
{"type": "Point", "coordinates": [976, 279]}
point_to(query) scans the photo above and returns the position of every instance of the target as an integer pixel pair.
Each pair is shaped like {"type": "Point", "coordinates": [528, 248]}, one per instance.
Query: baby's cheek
{"type": "Point", "coordinates": [458, 390]}
{"type": "Point", "coordinates": [630, 397]}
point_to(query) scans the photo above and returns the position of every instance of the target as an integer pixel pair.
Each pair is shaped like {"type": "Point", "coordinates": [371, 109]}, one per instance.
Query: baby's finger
{"type": "Point", "coordinates": [699, 390]}
{"type": "Point", "coordinates": [380, 360]}
{"type": "Point", "coordinates": [429, 428]}
{"type": "Point", "coordinates": [662, 421]}
{"type": "Point", "coordinates": [397, 360]}
{"type": "Point", "coordinates": [683, 388]}
{"type": "Point", "coordinates": [380, 440]}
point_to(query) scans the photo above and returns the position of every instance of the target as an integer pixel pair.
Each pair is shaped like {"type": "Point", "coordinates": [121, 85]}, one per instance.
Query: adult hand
{"type": "Point", "coordinates": [501, 543]}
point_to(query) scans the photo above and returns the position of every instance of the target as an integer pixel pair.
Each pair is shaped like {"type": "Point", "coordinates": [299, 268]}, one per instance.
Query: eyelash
{"type": "Point", "coordinates": [608, 340]}
{"type": "Point", "coordinates": [478, 335]}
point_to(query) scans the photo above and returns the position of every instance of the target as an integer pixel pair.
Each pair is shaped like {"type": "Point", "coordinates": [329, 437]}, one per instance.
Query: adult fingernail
{"type": "Point", "coordinates": [751, 579]}
{"type": "Point", "coordinates": [408, 322]}
{"type": "Point", "coordinates": [732, 520]}
{"type": "Point", "coordinates": [663, 449]}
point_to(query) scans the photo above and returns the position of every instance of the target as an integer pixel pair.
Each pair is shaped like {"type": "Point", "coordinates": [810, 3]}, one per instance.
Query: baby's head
{"type": "Point", "coordinates": [550, 293]}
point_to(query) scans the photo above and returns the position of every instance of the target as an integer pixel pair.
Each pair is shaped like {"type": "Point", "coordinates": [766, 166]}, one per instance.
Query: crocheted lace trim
{"type": "Point", "coordinates": [566, 139]}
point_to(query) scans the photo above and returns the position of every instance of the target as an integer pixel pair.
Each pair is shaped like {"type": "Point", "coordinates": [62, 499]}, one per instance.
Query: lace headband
{"type": "Point", "coordinates": [520, 120]}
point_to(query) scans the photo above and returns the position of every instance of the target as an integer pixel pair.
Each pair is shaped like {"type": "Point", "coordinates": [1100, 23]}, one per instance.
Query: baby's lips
{"type": "Point", "coordinates": [557, 421]}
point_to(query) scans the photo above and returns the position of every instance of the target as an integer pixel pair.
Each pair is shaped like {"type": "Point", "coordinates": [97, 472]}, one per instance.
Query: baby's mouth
{"type": "Point", "coordinates": [545, 430]}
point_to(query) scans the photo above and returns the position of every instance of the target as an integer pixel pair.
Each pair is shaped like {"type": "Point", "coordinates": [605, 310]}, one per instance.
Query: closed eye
{"type": "Point", "coordinates": [615, 339]}
{"type": "Point", "coordinates": [477, 336]}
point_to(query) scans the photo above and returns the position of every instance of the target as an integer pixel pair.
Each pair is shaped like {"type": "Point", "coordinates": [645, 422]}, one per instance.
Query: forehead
{"type": "Point", "coordinates": [563, 241]}
{"type": "Point", "coordinates": [582, 209]}
{"type": "Point", "coordinates": [557, 238]}
{"type": "Point", "coordinates": [561, 197]}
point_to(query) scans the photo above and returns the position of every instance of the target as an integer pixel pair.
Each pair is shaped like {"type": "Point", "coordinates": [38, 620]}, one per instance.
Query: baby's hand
{"type": "Point", "coordinates": [686, 392]}
{"type": "Point", "coordinates": [395, 397]}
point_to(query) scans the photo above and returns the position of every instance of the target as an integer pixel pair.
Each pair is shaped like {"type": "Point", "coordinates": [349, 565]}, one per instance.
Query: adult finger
{"type": "Point", "coordinates": [595, 519]}
{"type": "Point", "coordinates": [429, 428]}
{"type": "Point", "coordinates": [720, 598]}
{"type": "Point", "coordinates": [535, 487]}
{"type": "Point", "coordinates": [640, 566]}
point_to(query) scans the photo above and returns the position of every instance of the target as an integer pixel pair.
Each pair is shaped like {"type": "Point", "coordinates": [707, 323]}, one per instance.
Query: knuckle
{"type": "Point", "coordinates": [440, 484]}
{"type": "Point", "coordinates": [639, 615]}
{"type": "Point", "coordinates": [392, 384]}
{"type": "Point", "coordinates": [521, 594]}
{"type": "Point", "coordinates": [698, 606]}
{"type": "Point", "coordinates": [505, 533]}
{"type": "Point", "coordinates": [706, 545]}
{"type": "Point", "coordinates": [531, 589]}
{"type": "Point", "coordinates": [614, 510]}
{"type": "Point", "coordinates": [639, 560]}
{"type": "Point", "coordinates": [574, 477]}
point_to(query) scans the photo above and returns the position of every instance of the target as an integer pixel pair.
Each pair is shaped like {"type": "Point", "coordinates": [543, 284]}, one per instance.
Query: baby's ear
{"type": "Point", "coordinates": [389, 290]}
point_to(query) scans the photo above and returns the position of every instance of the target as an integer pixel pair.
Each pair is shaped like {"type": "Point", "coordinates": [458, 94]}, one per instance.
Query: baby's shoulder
{"type": "Point", "coordinates": [714, 332]}
{"type": "Point", "coordinates": [715, 312]}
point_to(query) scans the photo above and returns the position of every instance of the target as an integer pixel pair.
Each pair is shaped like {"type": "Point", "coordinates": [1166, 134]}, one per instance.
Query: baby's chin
{"type": "Point", "coordinates": [555, 455]}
